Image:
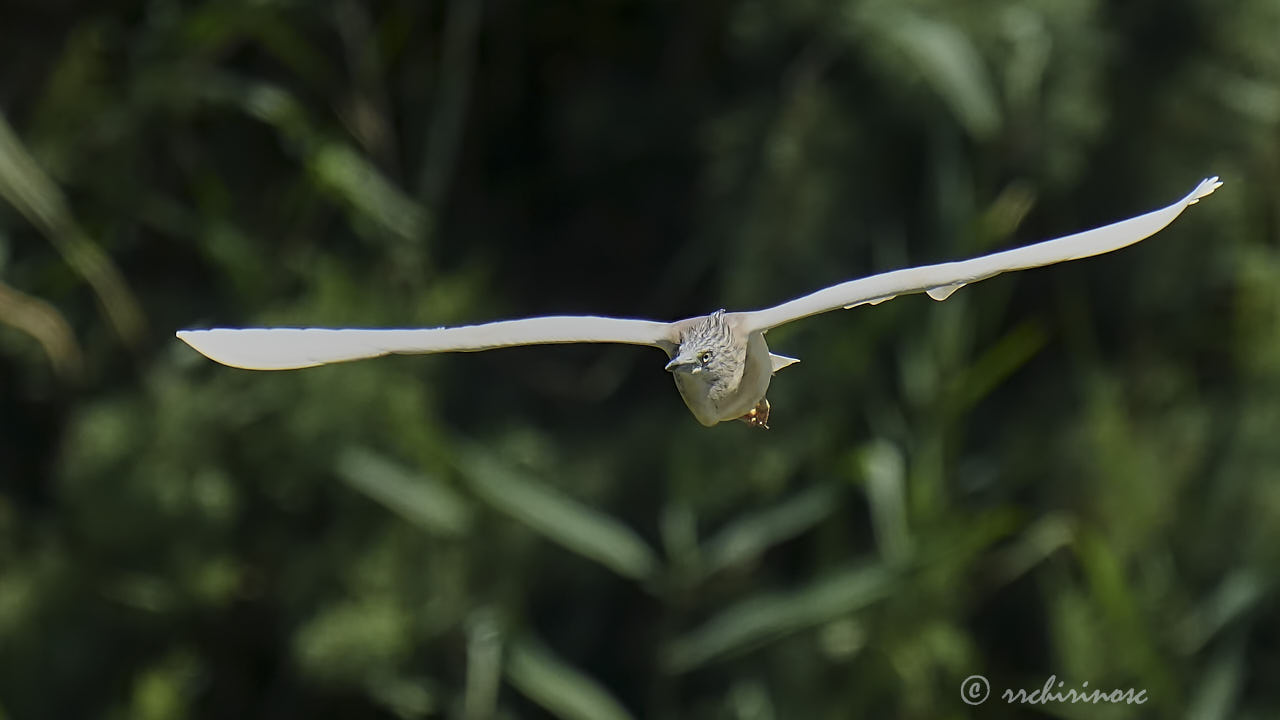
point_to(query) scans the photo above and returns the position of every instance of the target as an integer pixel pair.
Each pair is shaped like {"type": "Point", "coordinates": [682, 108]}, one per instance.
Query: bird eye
{"type": "Point", "coordinates": [704, 357]}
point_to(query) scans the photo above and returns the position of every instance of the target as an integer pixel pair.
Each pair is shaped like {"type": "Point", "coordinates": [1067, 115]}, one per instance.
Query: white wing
{"type": "Point", "coordinates": [290, 348]}
{"type": "Point", "coordinates": [939, 281]}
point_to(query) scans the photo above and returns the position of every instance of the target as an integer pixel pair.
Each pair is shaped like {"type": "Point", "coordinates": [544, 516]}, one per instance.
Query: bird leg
{"type": "Point", "coordinates": [758, 416]}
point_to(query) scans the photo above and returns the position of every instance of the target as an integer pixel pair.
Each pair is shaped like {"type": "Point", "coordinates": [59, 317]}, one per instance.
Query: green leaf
{"type": "Point", "coordinates": [559, 518]}
{"type": "Point", "coordinates": [359, 639]}
{"type": "Point", "coordinates": [1003, 358]}
{"type": "Point", "coordinates": [355, 179]}
{"type": "Point", "coordinates": [750, 535]}
{"type": "Point", "coordinates": [1045, 537]}
{"type": "Point", "coordinates": [884, 473]}
{"type": "Point", "coordinates": [761, 619]}
{"type": "Point", "coordinates": [1217, 693]}
{"type": "Point", "coordinates": [338, 168]}
{"type": "Point", "coordinates": [946, 59]}
{"type": "Point", "coordinates": [484, 664]}
{"type": "Point", "coordinates": [1240, 591]}
{"type": "Point", "coordinates": [26, 186]}
{"type": "Point", "coordinates": [406, 697]}
{"type": "Point", "coordinates": [560, 688]}
{"type": "Point", "coordinates": [428, 503]}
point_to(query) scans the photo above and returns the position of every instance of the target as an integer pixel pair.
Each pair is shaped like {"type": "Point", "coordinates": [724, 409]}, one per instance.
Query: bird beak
{"type": "Point", "coordinates": [684, 364]}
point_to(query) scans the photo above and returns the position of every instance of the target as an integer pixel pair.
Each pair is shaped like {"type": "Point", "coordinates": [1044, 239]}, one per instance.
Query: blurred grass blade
{"type": "Point", "coordinates": [339, 169]}
{"type": "Point", "coordinates": [946, 59]}
{"type": "Point", "coordinates": [749, 536]}
{"type": "Point", "coordinates": [997, 363]}
{"type": "Point", "coordinates": [1117, 602]}
{"type": "Point", "coordinates": [884, 472]}
{"type": "Point", "coordinates": [347, 174]}
{"type": "Point", "coordinates": [217, 28]}
{"type": "Point", "coordinates": [1033, 546]}
{"type": "Point", "coordinates": [1107, 580]}
{"type": "Point", "coordinates": [561, 519]}
{"type": "Point", "coordinates": [1241, 591]}
{"type": "Point", "coordinates": [750, 699]}
{"type": "Point", "coordinates": [1217, 693]}
{"type": "Point", "coordinates": [457, 66]}
{"type": "Point", "coordinates": [484, 664]}
{"type": "Point", "coordinates": [43, 322]}
{"type": "Point", "coordinates": [35, 195]}
{"type": "Point", "coordinates": [759, 620]}
{"type": "Point", "coordinates": [430, 504]}
{"type": "Point", "coordinates": [559, 688]}
{"type": "Point", "coordinates": [405, 697]}
{"type": "Point", "coordinates": [355, 179]}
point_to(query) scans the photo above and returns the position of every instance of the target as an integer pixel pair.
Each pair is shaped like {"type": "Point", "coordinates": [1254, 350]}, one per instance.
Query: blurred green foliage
{"type": "Point", "coordinates": [1071, 472]}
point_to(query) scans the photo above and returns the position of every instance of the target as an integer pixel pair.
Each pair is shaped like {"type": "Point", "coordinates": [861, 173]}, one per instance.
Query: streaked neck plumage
{"type": "Point", "coordinates": [721, 372]}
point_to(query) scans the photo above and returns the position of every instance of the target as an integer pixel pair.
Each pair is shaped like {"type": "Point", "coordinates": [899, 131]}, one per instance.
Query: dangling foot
{"type": "Point", "coordinates": [758, 416]}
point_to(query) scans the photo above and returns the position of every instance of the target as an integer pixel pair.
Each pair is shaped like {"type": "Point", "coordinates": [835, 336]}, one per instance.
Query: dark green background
{"type": "Point", "coordinates": [1071, 471]}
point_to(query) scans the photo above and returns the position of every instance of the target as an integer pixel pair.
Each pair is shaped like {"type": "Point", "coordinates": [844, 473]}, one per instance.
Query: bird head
{"type": "Point", "coordinates": [709, 349]}
{"type": "Point", "coordinates": [693, 361]}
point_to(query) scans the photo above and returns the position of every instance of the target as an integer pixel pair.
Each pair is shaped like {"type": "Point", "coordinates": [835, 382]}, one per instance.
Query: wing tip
{"type": "Point", "coordinates": [1204, 189]}
{"type": "Point", "coordinates": [190, 337]}
{"type": "Point", "coordinates": [235, 348]}
{"type": "Point", "coordinates": [204, 342]}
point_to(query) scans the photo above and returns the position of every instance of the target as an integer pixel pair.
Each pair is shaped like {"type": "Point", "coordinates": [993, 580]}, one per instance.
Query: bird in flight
{"type": "Point", "coordinates": [721, 364]}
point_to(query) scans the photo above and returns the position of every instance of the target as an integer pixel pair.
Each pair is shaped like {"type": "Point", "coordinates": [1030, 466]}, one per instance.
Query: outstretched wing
{"type": "Point", "coordinates": [939, 281]}
{"type": "Point", "coordinates": [290, 348]}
